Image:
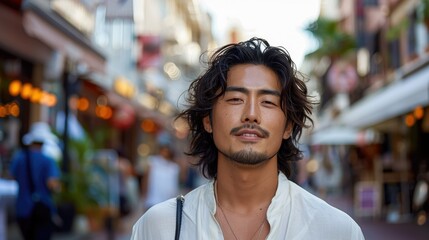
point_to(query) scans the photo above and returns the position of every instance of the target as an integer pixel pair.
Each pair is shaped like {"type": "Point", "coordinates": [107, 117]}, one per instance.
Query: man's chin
{"type": "Point", "coordinates": [249, 158]}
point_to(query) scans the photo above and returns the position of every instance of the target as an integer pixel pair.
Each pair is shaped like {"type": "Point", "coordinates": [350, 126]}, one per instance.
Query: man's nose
{"type": "Point", "coordinates": [251, 112]}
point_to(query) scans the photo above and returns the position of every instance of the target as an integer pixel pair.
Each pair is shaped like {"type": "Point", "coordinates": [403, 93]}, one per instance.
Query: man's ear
{"type": "Point", "coordinates": [288, 131]}
{"type": "Point", "coordinates": [207, 124]}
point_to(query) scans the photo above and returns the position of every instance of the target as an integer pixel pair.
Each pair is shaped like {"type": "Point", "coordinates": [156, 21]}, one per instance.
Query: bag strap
{"type": "Point", "coordinates": [179, 210]}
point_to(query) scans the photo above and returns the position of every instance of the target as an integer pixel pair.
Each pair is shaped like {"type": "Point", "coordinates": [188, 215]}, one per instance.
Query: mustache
{"type": "Point", "coordinates": [263, 132]}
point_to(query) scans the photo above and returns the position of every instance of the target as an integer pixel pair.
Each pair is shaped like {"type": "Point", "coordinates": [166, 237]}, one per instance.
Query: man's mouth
{"type": "Point", "coordinates": [249, 130]}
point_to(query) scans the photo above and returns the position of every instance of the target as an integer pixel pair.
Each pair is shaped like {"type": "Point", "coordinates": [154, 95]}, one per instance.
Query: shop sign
{"type": "Point", "coordinates": [150, 55]}
{"type": "Point", "coordinates": [342, 77]}
{"type": "Point", "coordinates": [123, 116]}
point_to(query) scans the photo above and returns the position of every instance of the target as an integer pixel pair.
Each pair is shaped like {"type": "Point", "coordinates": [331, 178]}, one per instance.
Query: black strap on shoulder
{"type": "Point", "coordinates": [180, 200]}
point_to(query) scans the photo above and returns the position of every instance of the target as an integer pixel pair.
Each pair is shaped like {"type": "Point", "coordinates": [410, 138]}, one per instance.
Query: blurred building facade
{"type": "Point", "coordinates": [107, 64]}
{"type": "Point", "coordinates": [373, 93]}
{"type": "Point", "coordinates": [104, 74]}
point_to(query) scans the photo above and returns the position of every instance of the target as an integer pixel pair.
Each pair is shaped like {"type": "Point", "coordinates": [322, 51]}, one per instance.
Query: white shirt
{"type": "Point", "coordinates": [294, 214]}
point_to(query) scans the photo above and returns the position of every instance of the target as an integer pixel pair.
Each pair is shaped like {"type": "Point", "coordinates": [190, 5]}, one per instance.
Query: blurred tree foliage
{"type": "Point", "coordinates": [333, 42]}
{"type": "Point", "coordinates": [423, 12]}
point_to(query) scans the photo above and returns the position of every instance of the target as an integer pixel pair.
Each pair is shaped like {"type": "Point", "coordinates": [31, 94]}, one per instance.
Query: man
{"type": "Point", "coordinates": [37, 175]}
{"type": "Point", "coordinates": [246, 115]}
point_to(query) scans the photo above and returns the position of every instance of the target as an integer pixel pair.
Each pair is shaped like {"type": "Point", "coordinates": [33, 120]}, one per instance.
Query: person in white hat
{"type": "Point", "coordinates": [37, 174]}
{"type": "Point", "coordinates": [41, 132]}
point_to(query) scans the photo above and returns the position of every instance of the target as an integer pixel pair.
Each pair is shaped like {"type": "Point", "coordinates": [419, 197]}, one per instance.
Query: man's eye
{"type": "Point", "coordinates": [269, 103]}
{"type": "Point", "coordinates": [235, 100]}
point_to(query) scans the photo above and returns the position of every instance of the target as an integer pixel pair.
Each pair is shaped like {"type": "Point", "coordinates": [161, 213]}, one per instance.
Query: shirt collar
{"type": "Point", "coordinates": [277, 203]}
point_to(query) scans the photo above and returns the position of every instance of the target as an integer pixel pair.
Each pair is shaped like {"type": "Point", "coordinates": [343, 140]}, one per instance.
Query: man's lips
{"type": "Point", "coordinates": [250, 130]}
{"type": "Point", "coordinates": [249, 133]}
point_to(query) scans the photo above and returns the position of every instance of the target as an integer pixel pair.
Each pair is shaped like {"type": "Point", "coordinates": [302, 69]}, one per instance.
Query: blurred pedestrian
{"type": "Point", "coordinates": [37, 175]}
{"type": "Point", "coordinates": [328, 176]}
{"type": "Point", "coordinates": [161, 179]}
{"type": "Point", "coordinates": [128, 186]}
{"type": "Point", "coordinates": [246, 115]}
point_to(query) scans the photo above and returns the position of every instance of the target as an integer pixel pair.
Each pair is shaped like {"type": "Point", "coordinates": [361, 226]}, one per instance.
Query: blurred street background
{"type": "Point", "coordinates": [109, 77]}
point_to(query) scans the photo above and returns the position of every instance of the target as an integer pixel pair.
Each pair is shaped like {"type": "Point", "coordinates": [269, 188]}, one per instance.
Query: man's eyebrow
{"type": "Point", "coordinates": [245, 90]}
{"type": "Point", "coordinates": [269, 92]}
{"type": "Point", "coordinates": [236, 89]}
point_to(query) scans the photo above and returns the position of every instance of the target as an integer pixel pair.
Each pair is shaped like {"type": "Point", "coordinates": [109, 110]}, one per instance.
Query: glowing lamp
{"type": "Point", "coordinates": [15, 88]}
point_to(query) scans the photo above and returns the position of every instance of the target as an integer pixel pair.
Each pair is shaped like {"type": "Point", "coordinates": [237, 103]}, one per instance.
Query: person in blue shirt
{"type": "Point", "coordinates": [45, 179]}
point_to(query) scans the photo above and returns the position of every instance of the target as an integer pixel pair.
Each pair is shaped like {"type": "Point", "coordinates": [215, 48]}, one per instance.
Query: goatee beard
{"type": "Point", "coordinates": [248, 157]}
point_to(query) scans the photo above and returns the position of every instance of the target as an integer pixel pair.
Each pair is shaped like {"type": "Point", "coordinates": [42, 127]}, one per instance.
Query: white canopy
{"type": "Point", "coordinates": [394, 100]}
{"type": "Point", "coordinates": [341, 135]}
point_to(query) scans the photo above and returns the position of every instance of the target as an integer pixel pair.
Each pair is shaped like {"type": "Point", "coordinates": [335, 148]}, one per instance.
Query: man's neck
{"type": "Point", "coordinates": [245, 189]}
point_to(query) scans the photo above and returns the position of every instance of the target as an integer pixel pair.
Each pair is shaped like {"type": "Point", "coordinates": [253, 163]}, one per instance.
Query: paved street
{"type": "Point", "coordinates": [379, 229]}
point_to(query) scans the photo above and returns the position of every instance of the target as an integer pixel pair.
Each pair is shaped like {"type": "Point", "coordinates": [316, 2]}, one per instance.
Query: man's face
{"type": "Point", "coordinates": [248, 123]}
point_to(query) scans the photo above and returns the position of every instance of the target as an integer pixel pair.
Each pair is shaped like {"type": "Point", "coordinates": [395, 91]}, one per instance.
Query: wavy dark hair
{"type": "Point", "coordinates": [208, 87]}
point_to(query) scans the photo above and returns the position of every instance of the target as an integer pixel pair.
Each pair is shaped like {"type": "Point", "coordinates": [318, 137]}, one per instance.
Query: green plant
{"type": "Point", "coordinates": [76, 180]}
{"type": "Point", "coordinates": [332, 41]}
{"type": "Point", "coordinates": [395, 31]}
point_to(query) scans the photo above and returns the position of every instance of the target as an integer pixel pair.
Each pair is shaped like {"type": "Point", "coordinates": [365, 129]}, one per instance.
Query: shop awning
{"type": "Point", "coordinates": [56, 33]}
{"type": "Point", "coordinates": [341, 135]}
{"type": "Point", "coordinates": [394, 100]}
{"type": "Point", "coordinates": [27, 47]}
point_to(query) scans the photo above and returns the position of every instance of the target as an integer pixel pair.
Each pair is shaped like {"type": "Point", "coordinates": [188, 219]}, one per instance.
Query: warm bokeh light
{"type": "Point", "coordinates": [124, 87]}
{"type": "Point", "coordinates": [172, 70]}
{"type": "Point", "coordinates": [73, 102]}
{"type": "Point", "coordinates": [181, 127]}
{"type": "Point", "coordinates": [44, 98]}
{"type": "Point", "coordinates": [104, 112]}
{"type": "Point", "coordinates": [419, 112]}
{"type": "Point", "coordinates": [102, 100]}
{"type": "Point", "coordinates": [15, 88]}
{"type": "Point", "coordinates": [83, 104]}
{"type": "Point", "coordinates": [147, 100]}
{"type": "Point", "coordinates": [421, 218]}
{"type": "Point", "coordinates": [148, 125]}
{"type": "Point", "coordinates": [3, 111]}
{"type": "Point", "coordinates": [27, 89]}
{"type": "Point", "coordinates": [409, 120]}
{"type": "Point", "coordinates": [33, 94]}
{"type": "Point", "coordinates": [312, 166]}
{"type": "Point", "coordinates": [143, 150]}
{"type": "Point", "coordinates": [14, 109]}
{"type": "Point", "coordinates": [36, 95]}
{"type": "Point", "coordinates": [52, 100]}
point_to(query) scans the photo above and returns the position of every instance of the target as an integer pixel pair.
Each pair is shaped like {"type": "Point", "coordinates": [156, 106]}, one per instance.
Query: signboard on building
{"type": "Point", "coordinates": [150, 54]}
{"type": "Point", "coordinates": [342, 77]}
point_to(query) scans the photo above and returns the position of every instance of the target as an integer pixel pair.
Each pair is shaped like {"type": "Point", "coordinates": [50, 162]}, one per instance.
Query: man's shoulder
{"type": "Point", "coordinates": [321, 217]}
{"type": "Point", "coordinates": [159, 213]}
{"type": "Point", "coordinates": [163, 208]}
{"type": "Point", "coordinates": [157, 222]}
{"type": "Point", "coordinates": [315, 203]}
